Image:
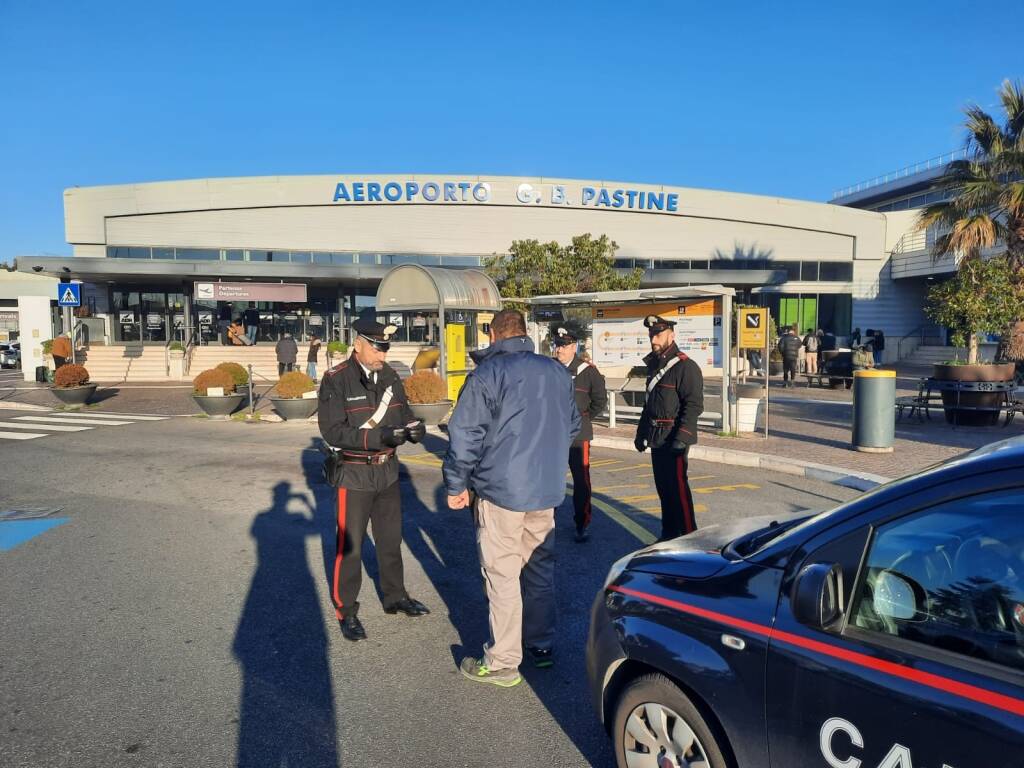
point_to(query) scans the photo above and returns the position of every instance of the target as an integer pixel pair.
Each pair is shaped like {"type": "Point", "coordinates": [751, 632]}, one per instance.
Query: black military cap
{"type": "Point", "coordinates": [378, 334]}
{"type": "Point", "coordinates": [657, 324]}
{"type": "Point", "coordinates": [565, 333]}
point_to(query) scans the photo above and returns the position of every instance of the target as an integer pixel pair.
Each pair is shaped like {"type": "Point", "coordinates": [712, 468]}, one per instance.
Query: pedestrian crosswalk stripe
{"type": "Point", "coordinates": [101, 415]}
{"type": "Point", "coordinates": [21, 435]}
{"type": "Point", "coordinates": [64, 420]}
{"type": "Point", "coordinates": [54, 427]}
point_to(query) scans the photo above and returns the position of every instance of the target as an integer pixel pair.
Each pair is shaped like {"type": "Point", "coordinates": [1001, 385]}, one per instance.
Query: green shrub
{"type": "Point", "coordinates": [294, 384]}
{"type": "Point", "coordinates": [48, 347]}
{"type": "Point", "coordinates": [237, 373]}
{"type": "Point", "coordinates": [71, 375]}
{"type": "Point", "coordinates": [176, 346]}
{"type": "Point", "coordinates": [215, 377]}
{"type": "Point", "coordinates": [336, 348]}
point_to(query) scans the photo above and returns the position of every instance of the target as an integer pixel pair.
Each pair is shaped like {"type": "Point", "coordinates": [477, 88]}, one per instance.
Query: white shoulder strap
{"type": "Point", "coordinates": [382, 409]}
{"type": "Point", "coordinates": [657, 377]}
{"type": "Point", "coordinates": [582, 367]}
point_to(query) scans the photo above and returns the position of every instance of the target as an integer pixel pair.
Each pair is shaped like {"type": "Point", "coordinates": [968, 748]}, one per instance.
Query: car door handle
{"type": "Point", "coordinates": [736, 643]}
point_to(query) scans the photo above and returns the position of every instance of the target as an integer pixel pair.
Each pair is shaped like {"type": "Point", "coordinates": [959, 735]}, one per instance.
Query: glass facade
{"type": "Point", "coordinates": [832, 312]}
{"type": "Point", "coordinates": [319, 258]}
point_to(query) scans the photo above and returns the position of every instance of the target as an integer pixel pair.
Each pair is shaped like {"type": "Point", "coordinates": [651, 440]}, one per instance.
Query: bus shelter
{"type": "Point", "coordinates": [460, 302]}
{"type": "Point", "coordinates": [619, 340]}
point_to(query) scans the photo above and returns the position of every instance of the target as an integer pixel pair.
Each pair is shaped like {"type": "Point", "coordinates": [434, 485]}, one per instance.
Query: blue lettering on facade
{"type": "Point", "coordinates": [411, 190]}
{"type": "Point", "coordinates": [373, 191]}
{"type": "Point", "coordinates": [357, 192]}
{"type": "Point", "coordinates": [588, 194]}
{"type": "Point", "coordinates": [464, 186]}
{"type": "Point", "coordinates": [449, 192]}
{"type": "Point", "coordinates": [431, 191]}
{"type": "Point", "coordinates": [631, 194]}
{"type": "Point", "coordinates": [392, 192]}
{"type": "Point", "coordinates": [656, 200]}
{"type": "Point", "coordinates": [617, 198]}
{"type": "Point", "coordinates": [672, 202]}
{"type": "Point", "coordinates": [340, 193]}
{"type": "Point", "coordinates": [603, 199]}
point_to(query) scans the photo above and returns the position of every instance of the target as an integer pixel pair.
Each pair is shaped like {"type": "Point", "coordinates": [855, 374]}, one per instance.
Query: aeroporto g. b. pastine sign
{"type": "Point", "coordinates": [525, 193]}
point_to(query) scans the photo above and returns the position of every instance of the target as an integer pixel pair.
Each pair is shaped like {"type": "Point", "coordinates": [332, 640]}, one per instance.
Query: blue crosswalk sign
{"type": "Point", "coordinates": [69, 294]}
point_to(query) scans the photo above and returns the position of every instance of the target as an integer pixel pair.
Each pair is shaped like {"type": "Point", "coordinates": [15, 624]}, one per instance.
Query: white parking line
{"type": "Point", "coordinates": [132, 417]}
{"type": "Point", "coordinates": [54, 427]}
{"type": "Point", "coordinates": [21, 435]}
{"type": "Point", "coordinates": [43, 420]}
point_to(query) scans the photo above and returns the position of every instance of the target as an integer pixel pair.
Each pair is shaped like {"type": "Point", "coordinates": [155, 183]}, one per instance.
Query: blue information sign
{"type": "Point", "coordinates": [69, 294]}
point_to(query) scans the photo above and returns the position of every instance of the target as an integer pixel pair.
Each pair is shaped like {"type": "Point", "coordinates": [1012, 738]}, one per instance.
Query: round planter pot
{"type": "Point", "coordinates": [774, 367]}
{"type": "Point", "coordinates": [294, 408]}
{"type": "Point", "coordinates": [997, 372]}
{"type": "Point", "coordinates": [431, 413]}
{"type": "Point", "coordinates": [218, 406]}
{"type": "Point", "coordinates": [74, 395]}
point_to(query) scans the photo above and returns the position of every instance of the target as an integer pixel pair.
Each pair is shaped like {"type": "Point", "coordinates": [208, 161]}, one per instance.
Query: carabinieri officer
{"type": "Point", "coordinates": [365, 415]}
{"type": "Point", "coordinates": [591, 399]}
{"type": "Point", "coordinates": [668, 424]}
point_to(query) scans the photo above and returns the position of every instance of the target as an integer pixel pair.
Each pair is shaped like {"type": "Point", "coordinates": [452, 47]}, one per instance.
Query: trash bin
{"type": "Point", "coordinates": [874, 411]}
{"type": "Point", "coordinates": [749, 398]}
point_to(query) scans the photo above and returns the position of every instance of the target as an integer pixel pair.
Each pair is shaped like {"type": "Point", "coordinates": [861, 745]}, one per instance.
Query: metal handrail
{"type": "Point", "coordinates": [902, 173]}
{"type": "Point", "coordinates": [192, 336]}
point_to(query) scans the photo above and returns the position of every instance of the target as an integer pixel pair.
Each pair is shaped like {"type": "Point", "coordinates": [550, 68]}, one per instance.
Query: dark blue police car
{"type": "Point", "coordinates": [885, 633]}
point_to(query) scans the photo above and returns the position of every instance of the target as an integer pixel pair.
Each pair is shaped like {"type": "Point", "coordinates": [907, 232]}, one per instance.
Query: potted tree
{"type": "Point", "coordinates": [214, 392]}
{"type": "Point", "coordinates": [428, 396]}
{"type": "Point", "coordinates": [71, 384]}
{"type": "Point", "coordinates": [295, 396]}
{"type": "Point", "coordinates": [981, 298]}
{"type": "Point", "coordinates": [336, 350]}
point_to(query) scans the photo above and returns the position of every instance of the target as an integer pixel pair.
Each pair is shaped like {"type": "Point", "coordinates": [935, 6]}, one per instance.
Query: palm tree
{"type": "Point", "coordinates": [984, 205]}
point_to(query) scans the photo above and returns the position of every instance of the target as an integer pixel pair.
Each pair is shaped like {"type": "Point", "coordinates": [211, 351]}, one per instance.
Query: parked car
{"type": "Point", "coordinates": [888, 631]}
{"type": "Point", "coordinates": [10, 354]}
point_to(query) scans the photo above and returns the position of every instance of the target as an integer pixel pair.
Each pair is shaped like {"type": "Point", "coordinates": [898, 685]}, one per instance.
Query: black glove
{"type": "Point", "coordinates": [640, 444]}
{"type": "Point", "coordinates": [416, 431]}
{"type": "Point", "coordinates": [392, 437]}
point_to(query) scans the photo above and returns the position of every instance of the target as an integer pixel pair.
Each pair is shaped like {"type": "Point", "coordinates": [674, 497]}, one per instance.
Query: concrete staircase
{"type": "Point", "coordinates": [127, 363]}
{"type": "Point", "coordinates": [929, 355]}
{"type": "Point", "coordinates": [134, 363]}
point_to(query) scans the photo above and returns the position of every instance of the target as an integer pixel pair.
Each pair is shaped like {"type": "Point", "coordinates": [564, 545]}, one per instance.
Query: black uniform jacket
{"type": "Point", "coordinates": [591, 396]}
{"type": "Point", "coordinates": [347, 400]}
{"type": "Point", "coordinates": [669, 418]}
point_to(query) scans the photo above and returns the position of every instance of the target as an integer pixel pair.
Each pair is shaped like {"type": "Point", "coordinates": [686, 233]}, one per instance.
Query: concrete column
{"type": "Point", "coordinates": [35, 324]}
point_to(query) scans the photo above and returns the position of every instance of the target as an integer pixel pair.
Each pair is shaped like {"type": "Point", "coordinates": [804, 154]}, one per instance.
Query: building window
{"type": "Point", "coordinates": [234, 255]}
{"type": "Point", "coordinates": [809, 271]}
{"type": "Point", "coordinates": [261, 256]}
{"type": "Point", "coordinates": [163, 253]}
{"type": "Point", "coordinates": [699, 264]}
{"type": "Point", "coordinates": [836, 271]}
{"type": "Point", "coordinates": [197, 254]}
{"type": "Point", "coordinates": [300, 257]}
{"type": "Point", "coordinates": [792, 269]}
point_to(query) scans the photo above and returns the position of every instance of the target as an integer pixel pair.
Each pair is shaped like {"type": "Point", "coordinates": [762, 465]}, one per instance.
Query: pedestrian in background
{"type": "Point", "coordinates": [861, 358]}
{"type": "Point", "coordinates": [878, 346]}
{"type": "Point", "coordinates": [61, 350]}
{"type": "Point", "coordinates": [287, 352]}
{"type": "Point", "coordinates": [668, 424]}
{"type": "Point", "coordinates": [311, 356]}
{"type": "Point", "coordinates": [591, 399]}
{"type": "Point", "coordinates": [252, 323]}
{"type": "Point", "coordinates": [790, 346]}
{"type": "Point", "coordinates": [811, 345]}
{"type": "Point", "coordinates": [855, 338]}
{"type": "Point", "coordinates": [509, 439]}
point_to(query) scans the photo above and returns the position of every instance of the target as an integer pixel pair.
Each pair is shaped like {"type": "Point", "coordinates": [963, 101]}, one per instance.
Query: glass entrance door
{"type": "Point", "coordinates": [154, 317]}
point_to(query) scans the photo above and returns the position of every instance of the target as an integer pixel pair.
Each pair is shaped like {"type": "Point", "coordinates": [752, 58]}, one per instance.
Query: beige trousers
{"type": "Point", "coordinates": [517, 558]}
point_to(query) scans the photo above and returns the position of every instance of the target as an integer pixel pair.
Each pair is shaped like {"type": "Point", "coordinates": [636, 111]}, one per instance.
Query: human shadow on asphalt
{"type": "Point", "coordinates": [286, 713]}
{"type": "Point", "coordinates": [444, 543]}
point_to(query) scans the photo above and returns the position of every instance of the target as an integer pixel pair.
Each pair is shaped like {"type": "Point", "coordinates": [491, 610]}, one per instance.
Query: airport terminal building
{"type": "Point", "coordinates": [307, 252]}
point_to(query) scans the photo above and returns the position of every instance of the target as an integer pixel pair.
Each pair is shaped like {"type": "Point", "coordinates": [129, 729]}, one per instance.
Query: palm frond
{"type": "Point", "coordinates": [983, 135]}
{"type": "Point", "coordinates": [969, 235]}
{"type": "Point", "coordinates": [978, 196]}
{"type": "Point", "coordinates": [1012, 199]}
{"type": "Point", "coordinates": [1011, 94]}
{"type": "Point", "coordinates": [942, 214]}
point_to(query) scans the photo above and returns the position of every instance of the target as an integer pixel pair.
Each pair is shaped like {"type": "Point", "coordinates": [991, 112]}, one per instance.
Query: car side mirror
{"type": "Point", "coordinates": [896, 596]}
{"type": "Point", "coordinates": [818, 595]}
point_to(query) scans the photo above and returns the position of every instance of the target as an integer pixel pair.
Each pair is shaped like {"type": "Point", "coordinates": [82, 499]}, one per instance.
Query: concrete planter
{"type": "Point", "coordinates": [294, 408]}
{"type": "Point", "coordinates": [74, 395]}
{"type": "Point", "coordinates": [431, 413]}
{"type": "Point", "coordinates": [218, 406]}
{"type": "Point", "coordinates": [997, 372]}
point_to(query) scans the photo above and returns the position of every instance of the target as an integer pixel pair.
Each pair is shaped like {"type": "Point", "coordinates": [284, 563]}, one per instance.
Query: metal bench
{"type": "Point", "coordinates": [820, 378]}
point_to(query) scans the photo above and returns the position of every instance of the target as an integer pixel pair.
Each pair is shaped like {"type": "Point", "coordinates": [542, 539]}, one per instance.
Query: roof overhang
{"type": "Point", "coordinates": [642, 295]}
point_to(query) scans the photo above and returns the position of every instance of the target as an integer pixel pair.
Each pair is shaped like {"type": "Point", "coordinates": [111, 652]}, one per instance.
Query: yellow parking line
{"type": "Point", "coordinates": [424, 460]}
{"type": "Point", "coordinates": [713, 488]}
{"type": "Point", "coordinates": [641, 533]}
{"type": "Point", "coordinates": [614, 487]}
{"type": "Point", "coordinates": [647, 497]}
{"type": "Point", "coordinates": [632, 466]}
{"type": "Point", "coordinates": [605, 462]}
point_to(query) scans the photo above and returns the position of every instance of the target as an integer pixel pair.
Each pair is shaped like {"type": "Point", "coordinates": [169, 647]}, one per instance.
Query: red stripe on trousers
{"type": "Point", "coordinates": [340, 552]}
{"type": "Point", "coordinates": [586, 474]}
{"type": "Point", "coordinates": [689, 524]}
{"type": "Point", "coordinates": [928, 679]}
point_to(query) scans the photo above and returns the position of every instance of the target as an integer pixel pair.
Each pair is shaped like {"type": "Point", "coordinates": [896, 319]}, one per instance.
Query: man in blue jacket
{"type": "Point", "coordinates": [509, 445]}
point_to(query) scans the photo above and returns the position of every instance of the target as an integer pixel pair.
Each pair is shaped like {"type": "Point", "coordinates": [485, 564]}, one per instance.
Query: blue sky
{"type": "Point", "coordinates": [784, 98]}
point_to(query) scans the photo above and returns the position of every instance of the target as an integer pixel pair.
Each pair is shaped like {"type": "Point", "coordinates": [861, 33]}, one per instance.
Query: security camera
{"type": "Point", "coordinates": [37, 269]}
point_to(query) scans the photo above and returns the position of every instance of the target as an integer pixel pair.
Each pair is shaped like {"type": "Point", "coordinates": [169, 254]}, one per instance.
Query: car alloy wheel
{"type": "Point", "coordinates": [658, 737]}
{"type": "Point", "coordinates": [658, 726]}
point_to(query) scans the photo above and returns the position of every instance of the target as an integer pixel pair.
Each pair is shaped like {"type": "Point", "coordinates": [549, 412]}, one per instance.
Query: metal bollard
{"type": "Point", "coordinates": [874, 411]}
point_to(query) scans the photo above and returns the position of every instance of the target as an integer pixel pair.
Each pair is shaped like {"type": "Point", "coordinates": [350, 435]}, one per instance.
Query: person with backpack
{"type": "Point", "coordinates": [811, 345]}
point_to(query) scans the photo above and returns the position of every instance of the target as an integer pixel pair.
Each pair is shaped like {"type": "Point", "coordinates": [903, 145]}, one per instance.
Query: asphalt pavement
{"type": "Point", "coordinates": [174, 611]}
